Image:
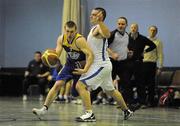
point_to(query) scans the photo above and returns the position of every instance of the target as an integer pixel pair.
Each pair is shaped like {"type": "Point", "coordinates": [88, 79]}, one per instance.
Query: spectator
{"type": "Point", "coordinates": [36, 73]}
{"type": "Point", "coordinates": [152, 64]}
{"type": "Point", "coordinates": [136, 46]}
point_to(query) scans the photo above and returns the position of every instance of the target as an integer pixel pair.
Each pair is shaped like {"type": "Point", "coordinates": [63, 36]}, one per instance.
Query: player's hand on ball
{"type": "Point", "coordinates": [50, 58]}
{"type": "Point", "coordinates": [79, 71]}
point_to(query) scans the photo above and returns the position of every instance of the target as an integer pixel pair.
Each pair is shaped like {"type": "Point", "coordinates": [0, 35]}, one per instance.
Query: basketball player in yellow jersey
{"type": "Point", "coordinates": [77, 50]}
{"type": "Point", "coordinates": [99, 74]}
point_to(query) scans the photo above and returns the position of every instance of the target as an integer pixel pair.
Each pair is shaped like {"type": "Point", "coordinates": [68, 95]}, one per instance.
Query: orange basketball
{"type": "Point", "coordinates": [50, 58]}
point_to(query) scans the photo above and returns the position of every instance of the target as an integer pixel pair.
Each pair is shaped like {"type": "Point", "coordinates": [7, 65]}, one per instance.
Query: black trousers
{"type": "Point", "coordinates": [124, 71]}
{"type": "Point", "coordinates": [118, 68]}
{"type": "Point", "coordinates": [149, 73]}
{"type": "Point", "coordinates": [94, 93]}
{"type": "Point", "coordinates": [34, 80]}
{"type": "Point", "coordinates": [129, 70]}
{"type": "Point", "coordinates": [134, 72]}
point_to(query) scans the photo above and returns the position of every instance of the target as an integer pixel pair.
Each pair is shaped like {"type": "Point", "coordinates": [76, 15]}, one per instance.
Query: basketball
{"type": "Point", "coordinates": [50, 58]}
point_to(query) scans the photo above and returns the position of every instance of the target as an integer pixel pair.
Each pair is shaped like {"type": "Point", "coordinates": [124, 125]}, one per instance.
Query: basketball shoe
{"type": "Point", "coordinates": [40, 112]}
{"type": "Point", "coordinates": [87, 117]}
{"type": "Point", "coordinates": [127, 113]}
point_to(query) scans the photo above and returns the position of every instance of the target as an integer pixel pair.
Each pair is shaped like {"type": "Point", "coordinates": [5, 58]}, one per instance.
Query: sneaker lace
{"type": "Point", "coordinates": [86, 115]}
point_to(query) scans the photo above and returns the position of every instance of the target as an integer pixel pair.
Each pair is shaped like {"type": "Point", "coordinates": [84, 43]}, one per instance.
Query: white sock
{"type": "Point", "coordinates": [65, 97]}
{"type": "Point", "coordinates": [89, 111]}
{"type": "Point", "coordinates": [60, 96]}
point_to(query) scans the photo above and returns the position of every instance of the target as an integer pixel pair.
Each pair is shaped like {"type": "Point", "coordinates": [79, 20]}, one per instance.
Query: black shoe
{"type": "Point", "coordinates": [87, 117]}
{"type": "Point", "coordinates": [110, 101]}
{"type": "Point", "coordinates": [127, 113]}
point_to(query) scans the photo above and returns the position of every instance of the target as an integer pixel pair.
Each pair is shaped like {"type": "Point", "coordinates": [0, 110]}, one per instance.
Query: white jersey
{"type": "Point", "coordinates": [99, 74]}
{"type": "Point", "coordinates": [99, 48]}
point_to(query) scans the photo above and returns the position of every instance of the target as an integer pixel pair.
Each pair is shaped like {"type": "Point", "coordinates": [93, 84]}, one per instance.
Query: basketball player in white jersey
{"type": "Point", "coordinates": [99, 73]}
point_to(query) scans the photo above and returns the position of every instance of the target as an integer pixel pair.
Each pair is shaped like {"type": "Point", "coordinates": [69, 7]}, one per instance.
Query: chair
{"type": "Point", "coordinates": [164, 80]}
{"type": "Point", "coordinates": [176, 80]}
{"type": "Point", "coordinates": [34, 90]}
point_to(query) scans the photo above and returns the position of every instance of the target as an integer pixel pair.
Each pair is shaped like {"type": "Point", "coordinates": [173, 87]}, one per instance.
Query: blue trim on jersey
{"type": "Point", "coordinates": [93, 75]}
{"type": "Point", "coordinates": [103, 51]}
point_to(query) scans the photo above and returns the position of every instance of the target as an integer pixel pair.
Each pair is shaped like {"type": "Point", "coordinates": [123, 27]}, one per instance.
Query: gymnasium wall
{"type": "Point", "coordinates": [1, 33]}
{"type": "Point", "coordinates": [30, 25]}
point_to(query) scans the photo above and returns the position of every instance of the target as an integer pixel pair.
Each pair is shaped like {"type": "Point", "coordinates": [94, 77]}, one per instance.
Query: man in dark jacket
{"type": "Point", "coordinates": [136, 46]}
{"type": "Point", "coordinates": [36, 73]}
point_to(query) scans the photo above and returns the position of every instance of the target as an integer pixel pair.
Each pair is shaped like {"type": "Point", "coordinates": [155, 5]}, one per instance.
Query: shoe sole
{"type": "Point", "coordinates": [91, 120]}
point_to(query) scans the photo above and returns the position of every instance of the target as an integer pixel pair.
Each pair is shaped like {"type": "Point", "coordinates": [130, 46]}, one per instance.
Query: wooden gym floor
{"type": "Point", "coordinates": [15, 112]}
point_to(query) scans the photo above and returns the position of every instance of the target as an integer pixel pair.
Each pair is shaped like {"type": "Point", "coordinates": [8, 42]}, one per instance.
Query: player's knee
{"type": "Point", "coordinates": [80, 86]}
{"type": "Point", "coordinates": [58, 85]}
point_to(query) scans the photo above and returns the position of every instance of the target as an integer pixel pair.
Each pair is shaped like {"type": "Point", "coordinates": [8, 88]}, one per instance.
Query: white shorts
{"type": "Point", "coordinates": [99, 76]}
